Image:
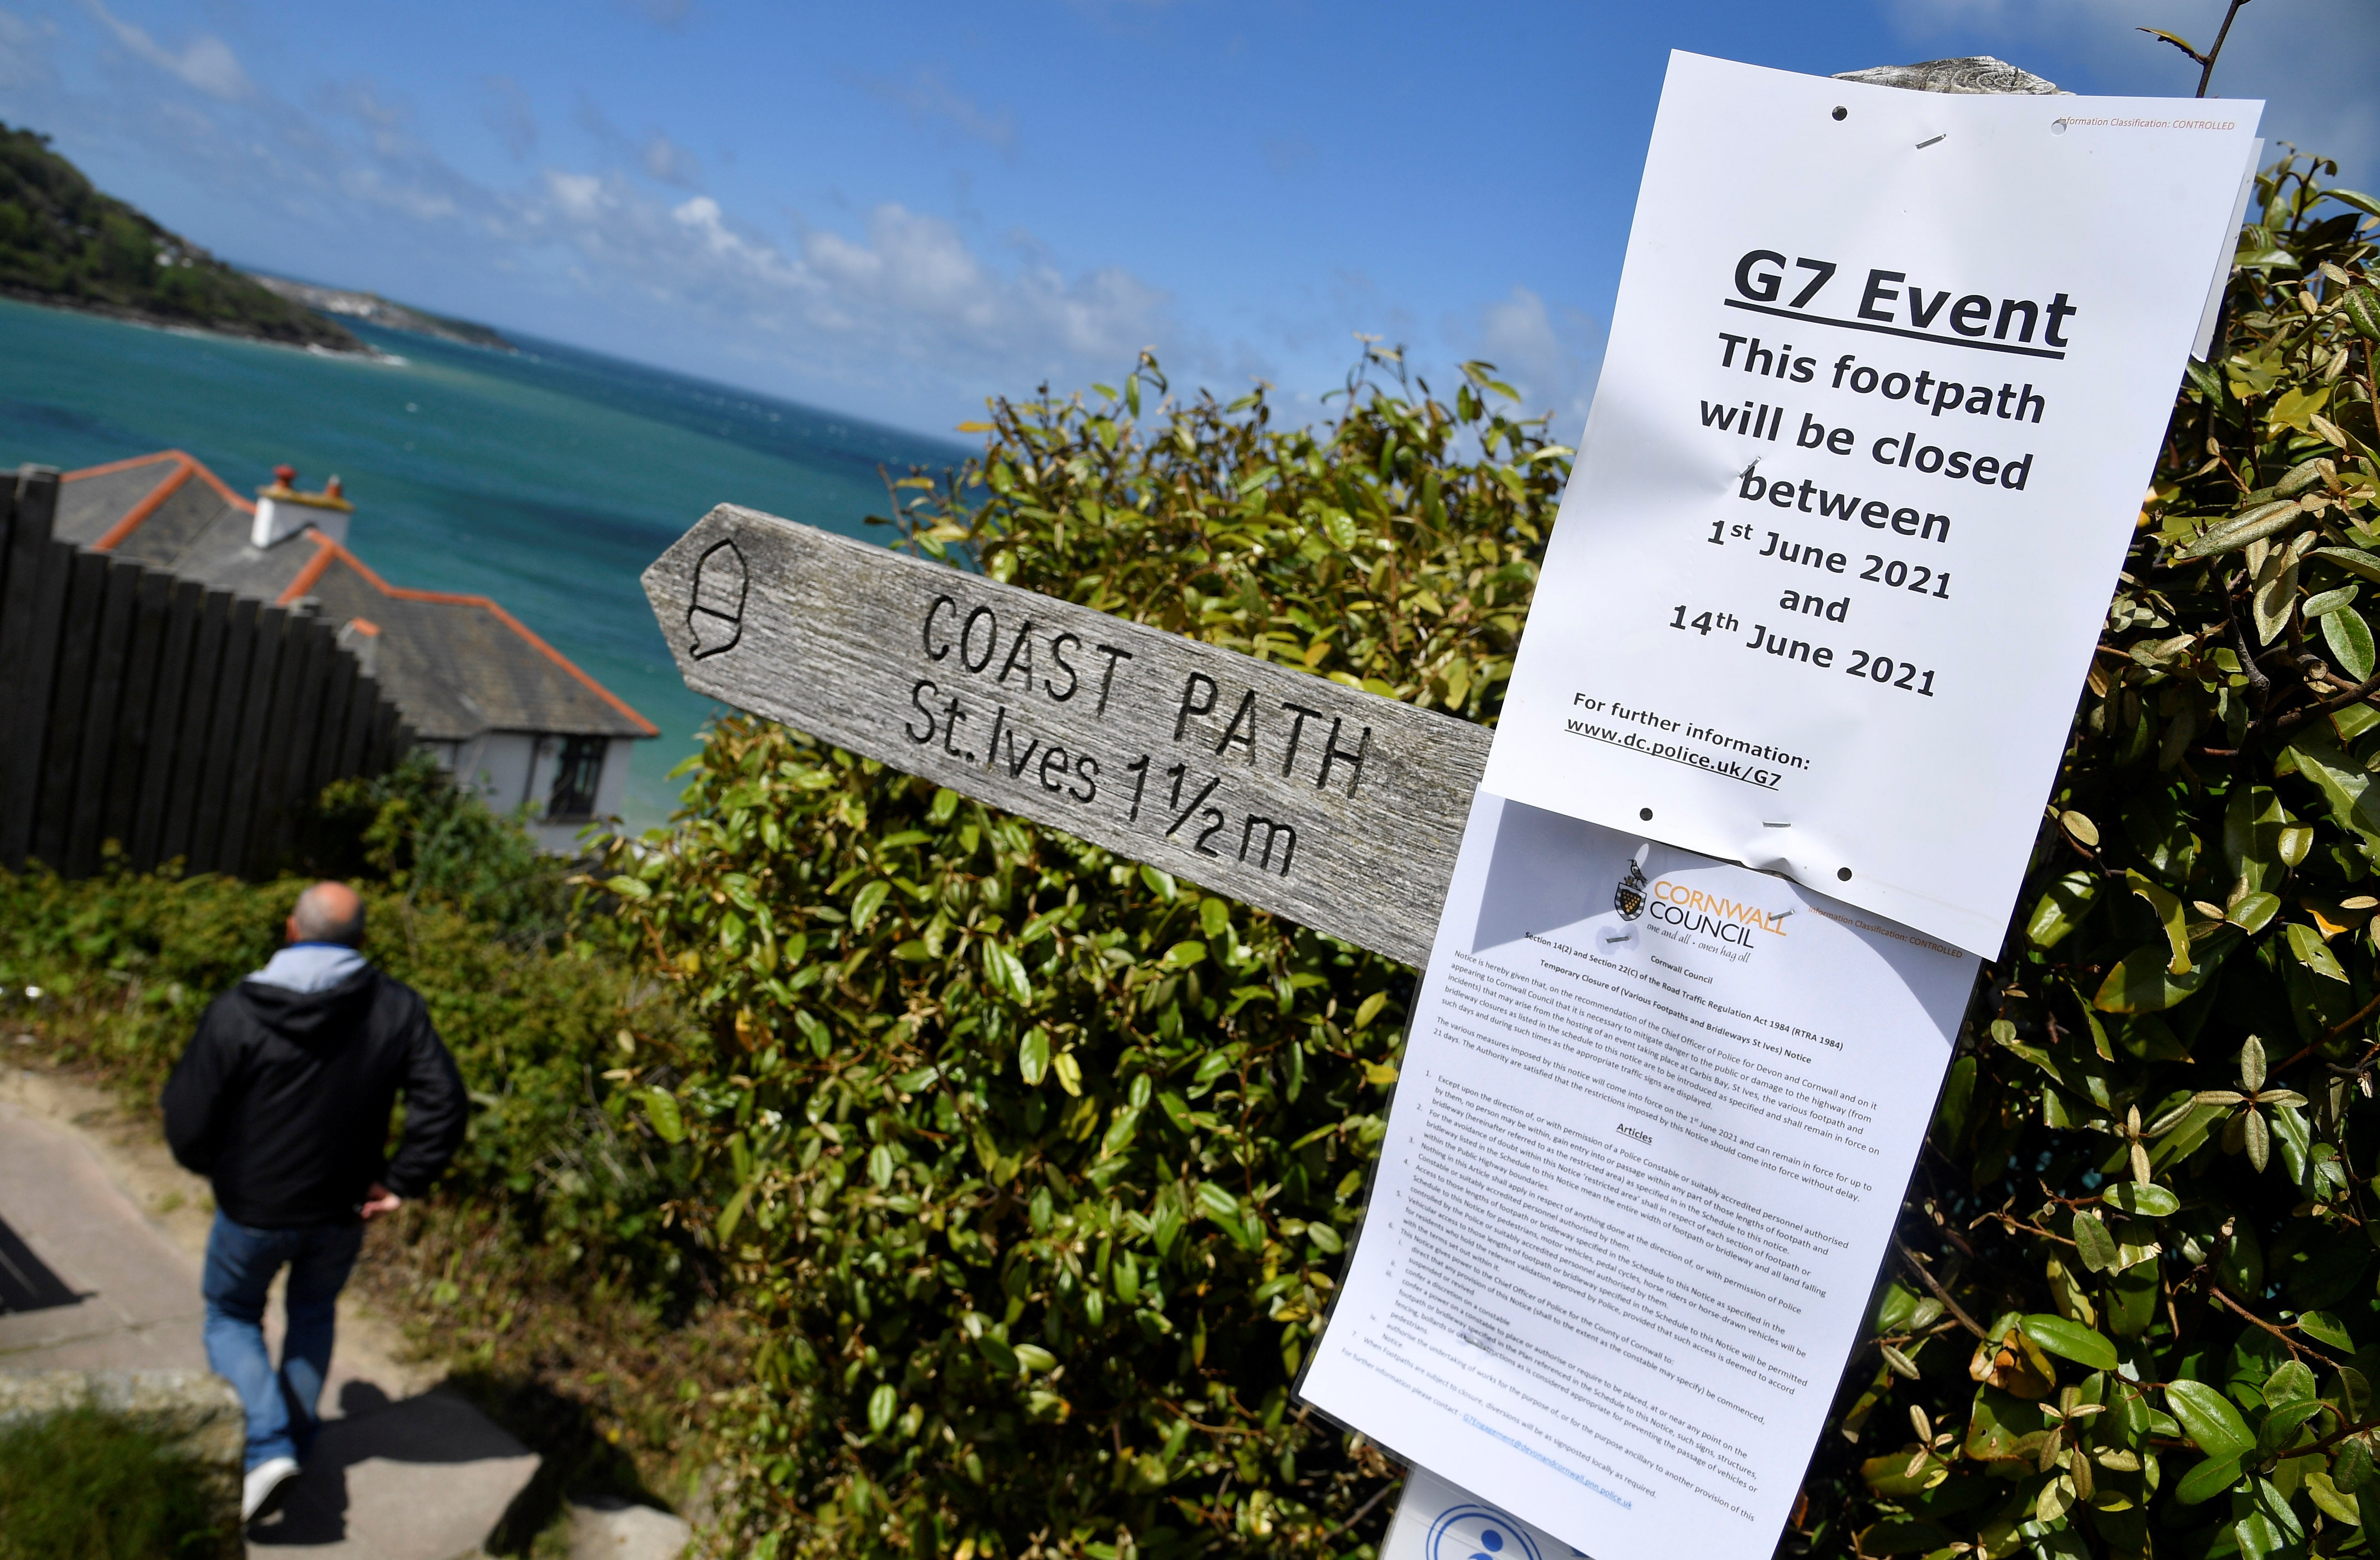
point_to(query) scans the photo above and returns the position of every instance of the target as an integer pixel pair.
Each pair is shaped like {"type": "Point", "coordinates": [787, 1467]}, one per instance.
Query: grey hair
{"type": "Point", "coordinates": [318, 920]}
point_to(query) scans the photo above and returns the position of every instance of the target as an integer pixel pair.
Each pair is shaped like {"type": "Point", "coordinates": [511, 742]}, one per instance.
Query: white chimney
{"type": "Point", "coordinates": [282, 511]}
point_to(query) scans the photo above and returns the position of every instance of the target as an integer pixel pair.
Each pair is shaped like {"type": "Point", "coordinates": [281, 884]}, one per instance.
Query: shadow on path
{"type": "Point", "coordinates": [430, 1468]}
{"type": "Point", "coordinates": [26, 1281]}
{"type": "Point", "coordinates": [580, 1463]}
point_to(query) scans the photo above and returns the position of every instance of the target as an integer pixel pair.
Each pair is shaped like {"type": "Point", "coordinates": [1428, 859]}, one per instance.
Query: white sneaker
{"type": "Point", "coordinates": [262, 1479]}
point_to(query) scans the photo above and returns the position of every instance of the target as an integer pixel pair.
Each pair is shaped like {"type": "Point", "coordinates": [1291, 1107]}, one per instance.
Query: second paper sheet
{"type": "Point", "coordinates": [1653, 1126]}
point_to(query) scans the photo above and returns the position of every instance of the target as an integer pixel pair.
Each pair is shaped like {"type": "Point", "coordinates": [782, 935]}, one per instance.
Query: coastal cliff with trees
{"type": "Point", "coordinates": [926, 1183]}
{"type": "Point", "coordinates": [63, 242]}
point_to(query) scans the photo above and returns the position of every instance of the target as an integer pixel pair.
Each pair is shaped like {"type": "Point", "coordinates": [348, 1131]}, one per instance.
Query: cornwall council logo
{"type": "Point", "coordinates": [1478, 1532]}
{"type": "Point", "coordinates": [1629, 896]}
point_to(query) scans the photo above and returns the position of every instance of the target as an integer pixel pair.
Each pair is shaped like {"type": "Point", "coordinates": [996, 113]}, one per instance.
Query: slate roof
{"type": "Point", "coordinates": [457, 665]}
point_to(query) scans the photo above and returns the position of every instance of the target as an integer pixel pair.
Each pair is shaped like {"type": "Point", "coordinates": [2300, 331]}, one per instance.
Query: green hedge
{"type": "Point", "coordinates": [1034, 1166]}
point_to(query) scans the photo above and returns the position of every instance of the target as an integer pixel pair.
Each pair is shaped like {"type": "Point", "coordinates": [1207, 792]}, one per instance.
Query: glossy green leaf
{"type": "Point", "coordinates": [2349, 638]}
{"type": "Point", "coordinates": [2280, 1427]}
{"type": "Point", "coordinates": [1215, 919]}
{"type": "Point", "coordinates": [2325, 1328]}
{"type": "Point", "coordinates": [661, 1109]}
{"type": "Point", "coordinates": [2333, 1502]}
{"type": "Point", "coordinates": [2172, 916]}
{"type": "Point", "coordinates": [2206, 1480]}
{"type": "Point", "coordinates": [2061, 907]}
{"type": "Point", "coordinates": [2354, 560]}
{"type": "Point", "coordinates": [2292, 1381]}
{"type": "Point", "coordinates": [2143, 982]}
{"type": "Point", "coordinates": [2144, 1198]}
{"type": "Point", "coordinates": [1033, 1055]}
{"type": "Point", "coordinates": [2255, 525]}
{"type": "Point", "coordinates": [2071, 1340]}
{"type": "Point", "coordinates": [2352, 1468]}
{"type": "Point", "coordinates": [882, 1404]}
{"type": "Point", "coordinates": [733, 1215]}
{"type": "Point", "coordinates": [2307, 944]}
{"type": "Point", "coordinates": [1006, 972]}
{"type": "Point", "coordinates": [867, 902]}
{"type": "Point", "coordinates": [2097, 1247]}
{"type": "Point", "coordinates": [2253, 911]}
{"type": "Point", "coordinates": [2209, 1420]}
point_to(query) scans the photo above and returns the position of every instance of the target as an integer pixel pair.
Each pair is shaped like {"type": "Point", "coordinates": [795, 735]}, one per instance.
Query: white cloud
{"type": "Point", "coordinates": [206, 62]}
{"type": "Point", "coordinates": [423, 205]}
{"type": "Point", "coordinates": [670, 162]}
{"type": "Point", "coordinates": [928, 95]}
{"type": "Point", "coordinates": [1546, 354]}
{"type": "Point", "coordinates": [906, 298]}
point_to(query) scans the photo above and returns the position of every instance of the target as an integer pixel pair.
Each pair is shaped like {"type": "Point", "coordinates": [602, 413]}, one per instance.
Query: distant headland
{"type": "Point", "coordinates": [66, 245]}
{"type": "Point", "coordinates": [374, 310]}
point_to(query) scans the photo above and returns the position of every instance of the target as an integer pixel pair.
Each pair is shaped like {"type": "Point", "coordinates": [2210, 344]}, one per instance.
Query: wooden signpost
{"type": "Point", "coordinates": [1336, 808]}
{"type": "Point", "coordinates": [1339, 809]}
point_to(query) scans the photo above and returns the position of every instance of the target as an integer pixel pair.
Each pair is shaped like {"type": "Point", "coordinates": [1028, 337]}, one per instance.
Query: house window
{"type": "Point", "coordinates": [575, 779]}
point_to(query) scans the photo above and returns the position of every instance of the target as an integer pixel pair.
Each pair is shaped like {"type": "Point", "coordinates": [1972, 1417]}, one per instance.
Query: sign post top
{"type": "Point", "coordinates": [1337, 808]}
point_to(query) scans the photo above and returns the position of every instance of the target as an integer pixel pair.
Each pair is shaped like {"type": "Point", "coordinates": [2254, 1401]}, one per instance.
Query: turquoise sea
{"type": "Point", "coordinates": [546, 478]}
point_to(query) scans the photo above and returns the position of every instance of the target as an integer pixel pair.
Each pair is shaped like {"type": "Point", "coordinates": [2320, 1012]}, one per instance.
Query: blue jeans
{"type": "Point", "coordinates": [241, 1264]}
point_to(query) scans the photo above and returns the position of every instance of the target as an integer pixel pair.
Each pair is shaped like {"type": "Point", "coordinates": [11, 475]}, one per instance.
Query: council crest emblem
{"type": "Point", "coordinates": [1629, 896]}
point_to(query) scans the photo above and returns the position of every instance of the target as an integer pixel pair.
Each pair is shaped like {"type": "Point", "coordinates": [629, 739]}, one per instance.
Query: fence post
{"type": "Point", "coordinates": [242, 639]}
{"type": "Point", "coordinates": [241, 797]}
{"type": "Point", "coordinates": [170, 728]}
{"type": "Point", "coordinates": [32, 590]}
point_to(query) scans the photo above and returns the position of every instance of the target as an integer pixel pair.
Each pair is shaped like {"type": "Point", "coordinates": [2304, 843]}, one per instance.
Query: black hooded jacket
{"type": "Point", "coordinates": [283, 1099]}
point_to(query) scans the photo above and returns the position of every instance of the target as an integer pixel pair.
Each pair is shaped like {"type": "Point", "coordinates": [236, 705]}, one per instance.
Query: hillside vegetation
{"type": "Point", "coordinates": [1026, 1172]}
{"type": "Point", "coordinates": [63, 242]}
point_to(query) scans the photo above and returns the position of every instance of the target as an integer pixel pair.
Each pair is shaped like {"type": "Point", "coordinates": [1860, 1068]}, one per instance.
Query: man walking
{"type": "Point", "coordinates": [283, 1101]}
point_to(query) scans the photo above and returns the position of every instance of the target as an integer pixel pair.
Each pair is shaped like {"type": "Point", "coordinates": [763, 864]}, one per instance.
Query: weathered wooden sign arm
{"type": "Point", "coordinates": [1339, 809]}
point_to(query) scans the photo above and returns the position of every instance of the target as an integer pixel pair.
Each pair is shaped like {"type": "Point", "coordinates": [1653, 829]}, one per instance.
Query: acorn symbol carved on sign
{"type": "Point", "coordinates": [715, 621]}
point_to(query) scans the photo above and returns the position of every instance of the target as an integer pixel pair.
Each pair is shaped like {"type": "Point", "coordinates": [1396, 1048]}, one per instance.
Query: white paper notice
{"type": "Point", "coordinates": [1637, 1184]}
{"type": "Point", "coordinates": [1886, 379]}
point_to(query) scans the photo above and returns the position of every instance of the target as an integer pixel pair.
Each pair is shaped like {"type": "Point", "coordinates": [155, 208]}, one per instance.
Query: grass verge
{"type": "Point", "coordinates": [87, 1485]}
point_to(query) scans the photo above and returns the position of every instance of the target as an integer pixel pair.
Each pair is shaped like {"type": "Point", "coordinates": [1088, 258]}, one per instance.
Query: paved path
{"type": "Point", "coordinates": [101, 1236]}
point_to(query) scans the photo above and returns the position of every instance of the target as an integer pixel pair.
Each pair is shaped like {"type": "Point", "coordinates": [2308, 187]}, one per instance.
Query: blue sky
{"type": "Point", "coordinates": [898, 209]}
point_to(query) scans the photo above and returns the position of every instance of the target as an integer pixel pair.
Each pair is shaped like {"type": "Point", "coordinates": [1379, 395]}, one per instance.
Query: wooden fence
{"type": "Point", "coordinates": [147, 709]}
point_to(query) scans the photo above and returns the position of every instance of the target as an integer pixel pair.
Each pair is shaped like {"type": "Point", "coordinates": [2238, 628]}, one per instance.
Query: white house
{"type": "Point", "coordinates": [498, 707]}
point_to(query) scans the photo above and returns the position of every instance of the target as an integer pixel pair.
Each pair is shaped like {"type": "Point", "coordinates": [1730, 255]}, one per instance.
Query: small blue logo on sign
{"type": "Point", "coordinates": [1478, 1532]}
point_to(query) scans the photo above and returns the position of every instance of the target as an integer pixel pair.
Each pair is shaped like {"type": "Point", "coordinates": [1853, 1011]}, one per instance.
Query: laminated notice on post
{"type": "Point", "coordinates": [1651, 1129]}
{"type": "Point", "coordinates": [1886, 379]}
